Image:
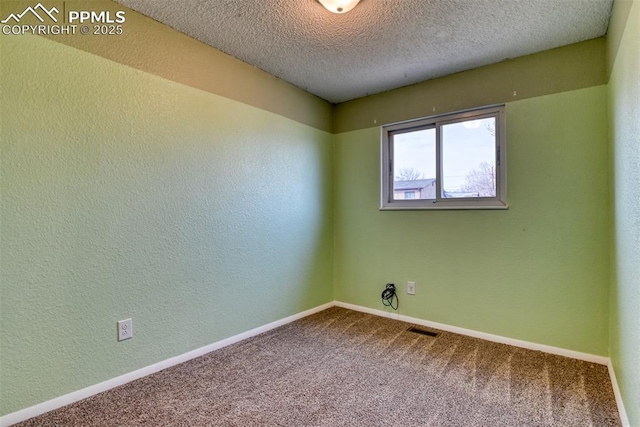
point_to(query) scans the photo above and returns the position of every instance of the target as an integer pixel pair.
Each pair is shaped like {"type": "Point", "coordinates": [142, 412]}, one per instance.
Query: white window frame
{"type": "Point", "coordinates": [387, 201]}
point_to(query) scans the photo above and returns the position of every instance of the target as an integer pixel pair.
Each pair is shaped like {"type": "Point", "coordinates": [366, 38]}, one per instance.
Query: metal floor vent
{"type": "Point", "coordinates": [422, 331]}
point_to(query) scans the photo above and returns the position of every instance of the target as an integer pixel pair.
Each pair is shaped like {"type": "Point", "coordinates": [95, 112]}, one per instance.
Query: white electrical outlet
{"type": "Point", "coordinates": [125, 329]}
{"type": "Point", "coordinates": [411, 288]}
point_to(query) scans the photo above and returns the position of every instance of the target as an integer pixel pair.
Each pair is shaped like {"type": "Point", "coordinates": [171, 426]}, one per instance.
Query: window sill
{"type": "Point", "coordinates": [444, 206]}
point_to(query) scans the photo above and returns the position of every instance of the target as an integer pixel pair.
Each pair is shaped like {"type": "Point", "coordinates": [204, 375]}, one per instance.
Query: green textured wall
{"type": "Point", "coordinates": [128, 195]}
{"type": "Point", "coordinates": [576, 66]}
{"type": "Point", "coordinates": [150, 46]}
{"type": "Point", "coordinates": [538, 271]}
{"type": "Point", "coordinates": [624, 109]}
{"type": "Point", "coordinates": [170, 186]}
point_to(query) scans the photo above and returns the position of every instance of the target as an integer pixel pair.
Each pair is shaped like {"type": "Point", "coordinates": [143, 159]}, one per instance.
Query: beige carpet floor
{"type": "Point", "coordinates": [344, 368]}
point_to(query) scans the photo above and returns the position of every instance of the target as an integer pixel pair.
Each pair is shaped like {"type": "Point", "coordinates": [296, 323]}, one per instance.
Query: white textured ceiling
{"type": "Point", "coordinates": [381, 44]}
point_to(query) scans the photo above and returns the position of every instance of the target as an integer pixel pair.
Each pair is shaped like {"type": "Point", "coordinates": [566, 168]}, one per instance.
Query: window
{"type": "Point", "coordinates": [452, 161]}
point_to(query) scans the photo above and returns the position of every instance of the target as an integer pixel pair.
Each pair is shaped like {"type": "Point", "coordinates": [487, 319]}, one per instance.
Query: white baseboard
{"type": "Point", "coordinates": [41, 408]}
{"type": "Point", "coordinates": [58, 402]}
{"type": "Point", "coordinates": [601, 360]}
{"type": "Point", "coordinates": [616, 392]}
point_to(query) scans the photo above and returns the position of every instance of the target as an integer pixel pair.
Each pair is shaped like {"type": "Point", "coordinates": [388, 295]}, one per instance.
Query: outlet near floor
{"type": "Point", "coordinates": [125, 329]}
{"type": "Point", "coordinates": [411, 288]}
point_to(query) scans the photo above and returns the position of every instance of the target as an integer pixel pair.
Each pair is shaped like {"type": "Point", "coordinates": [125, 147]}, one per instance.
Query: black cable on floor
{"type": "Point", "coordinates": [388, 295]}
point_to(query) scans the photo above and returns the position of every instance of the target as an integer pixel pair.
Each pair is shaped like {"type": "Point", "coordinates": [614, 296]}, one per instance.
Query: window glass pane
{"type": "Point", "coordinates": [414, 165]}
{"type": "Point", "coordinates": [469, 158]}
{"type": "Point", "coordinates": [409, 194]}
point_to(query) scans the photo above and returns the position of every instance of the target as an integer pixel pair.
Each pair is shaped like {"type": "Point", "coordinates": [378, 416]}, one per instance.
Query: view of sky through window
{"type": "Point", "coordinates": [414, 155]}
{"type": "Point", "coordinates": [468, 158]}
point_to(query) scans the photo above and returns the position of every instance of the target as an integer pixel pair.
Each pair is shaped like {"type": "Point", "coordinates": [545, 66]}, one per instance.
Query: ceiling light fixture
{"type": "Point", "coordinates": [339, 6]}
